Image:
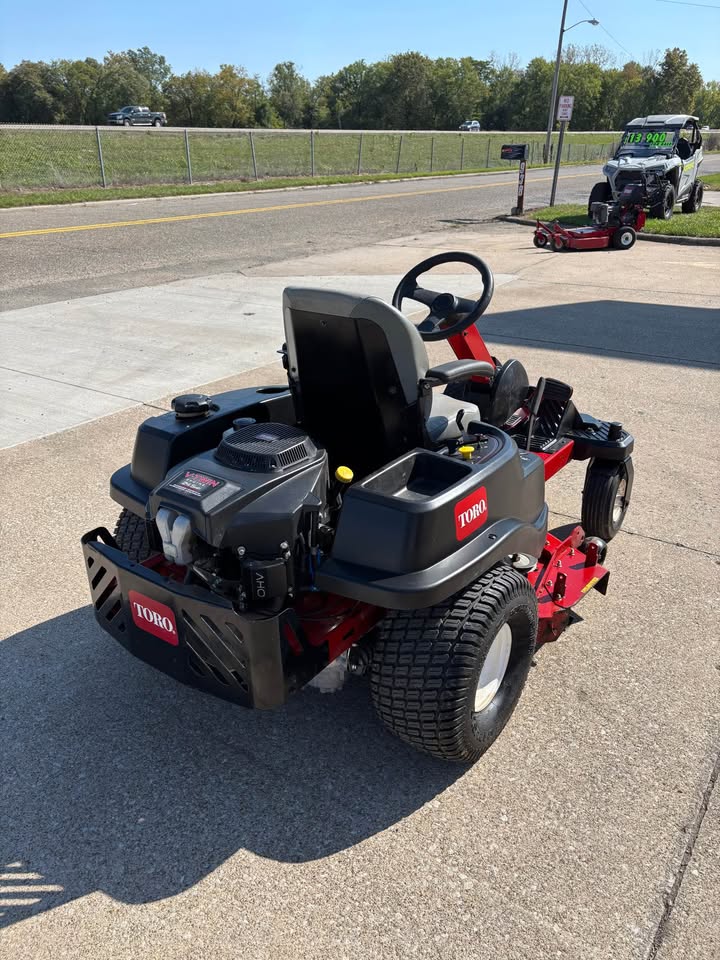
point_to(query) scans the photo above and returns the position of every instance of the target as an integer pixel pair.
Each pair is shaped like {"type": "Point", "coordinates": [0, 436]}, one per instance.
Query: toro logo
{"type": "Point", "coordinates": [153, 617]}
{"type": "Point", "coordinates": [471, 513]}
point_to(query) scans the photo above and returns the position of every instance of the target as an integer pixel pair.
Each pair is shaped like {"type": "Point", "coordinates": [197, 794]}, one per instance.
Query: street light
{"type": "Point", "coordinates": [553, 95]}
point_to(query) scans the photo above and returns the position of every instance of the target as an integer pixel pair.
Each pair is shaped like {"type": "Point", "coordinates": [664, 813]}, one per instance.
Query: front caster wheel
{"type": "Point", "coordinates": [600, 547]}
{"type": "Point", "coordinates": [447, 679]}
{"type": "Point", "coordinates": [605, 498]}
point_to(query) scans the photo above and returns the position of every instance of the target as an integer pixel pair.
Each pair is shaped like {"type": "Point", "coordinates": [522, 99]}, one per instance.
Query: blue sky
{"type": "Point", "coordinates": [323, 35]}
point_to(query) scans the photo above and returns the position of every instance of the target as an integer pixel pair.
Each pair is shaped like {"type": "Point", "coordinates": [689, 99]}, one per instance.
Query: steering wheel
{"type": "Point", "coordinates": [448, 315]}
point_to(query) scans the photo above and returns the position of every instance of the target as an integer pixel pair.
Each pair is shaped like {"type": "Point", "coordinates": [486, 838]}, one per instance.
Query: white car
{"type": "Point", "coordinates": [471, 125]}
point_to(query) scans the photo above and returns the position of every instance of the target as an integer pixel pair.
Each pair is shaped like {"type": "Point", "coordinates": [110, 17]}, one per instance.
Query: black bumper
{"type": "Point", "coordinates": [198, 638]}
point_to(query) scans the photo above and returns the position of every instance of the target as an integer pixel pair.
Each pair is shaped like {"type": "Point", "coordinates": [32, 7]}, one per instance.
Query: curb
{"type": "Point", "coordinates": [654, 237]}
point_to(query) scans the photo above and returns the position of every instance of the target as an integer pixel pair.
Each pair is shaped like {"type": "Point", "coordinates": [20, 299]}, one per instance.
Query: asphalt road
{"type": "Point", "coordinates": [234, 232]}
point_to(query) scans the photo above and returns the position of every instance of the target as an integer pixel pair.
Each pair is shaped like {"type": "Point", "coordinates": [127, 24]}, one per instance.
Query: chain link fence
{"type": "Point", "coordinates": [40, 158]}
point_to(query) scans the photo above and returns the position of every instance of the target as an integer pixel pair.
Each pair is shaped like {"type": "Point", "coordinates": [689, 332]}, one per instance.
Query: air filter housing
{"type": "Point", "coordinates": [265, 448]}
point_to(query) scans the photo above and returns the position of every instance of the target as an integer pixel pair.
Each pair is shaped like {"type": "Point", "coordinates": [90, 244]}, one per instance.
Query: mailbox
{"type": "Point", "coordinates": [514, 151]}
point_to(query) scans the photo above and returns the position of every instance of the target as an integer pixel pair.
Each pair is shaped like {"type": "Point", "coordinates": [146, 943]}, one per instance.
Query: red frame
{"type": "Point", "coordinates": [554, 462]}
{"type": "Point", "coordinates": [561, 560]}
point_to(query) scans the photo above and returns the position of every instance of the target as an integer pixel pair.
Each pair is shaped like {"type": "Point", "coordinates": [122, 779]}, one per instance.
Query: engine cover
{"type": "Point", "coordinates": [257, 504]}
{"type": "Point", "coordinates": [265, 447]}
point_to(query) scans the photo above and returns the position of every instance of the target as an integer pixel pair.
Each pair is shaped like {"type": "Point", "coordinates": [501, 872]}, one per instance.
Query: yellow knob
{"type": "Point", "coordinates": [466, 452]}
{"type": "Point", "coordinates": [344, 475]}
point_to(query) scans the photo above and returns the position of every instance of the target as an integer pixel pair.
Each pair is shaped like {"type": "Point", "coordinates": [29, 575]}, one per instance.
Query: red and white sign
{"type": "Point", "coordinates": [471, 513]}
{"type": "Point", "coordinates": [153, 617]}
{"type": "Point", "coordinates": [565, 108]}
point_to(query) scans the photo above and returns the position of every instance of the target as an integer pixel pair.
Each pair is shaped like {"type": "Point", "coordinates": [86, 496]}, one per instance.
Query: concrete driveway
{"type": "Point", "coordinates": [141, 819]}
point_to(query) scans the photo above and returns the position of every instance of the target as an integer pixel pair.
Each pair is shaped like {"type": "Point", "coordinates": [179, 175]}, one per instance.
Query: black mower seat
{"type": "Point", "coordinates": [355, 365]}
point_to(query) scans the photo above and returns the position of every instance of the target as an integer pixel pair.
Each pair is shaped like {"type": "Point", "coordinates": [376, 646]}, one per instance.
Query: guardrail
{"type": "Point", "coordinates": [50, 157]}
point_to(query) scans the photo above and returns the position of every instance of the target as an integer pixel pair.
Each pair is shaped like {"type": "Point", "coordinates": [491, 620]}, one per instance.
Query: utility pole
{"type": "Point", "coordinates": [556, 75]}
{"type": "Point", "coordinates": [553, 95]}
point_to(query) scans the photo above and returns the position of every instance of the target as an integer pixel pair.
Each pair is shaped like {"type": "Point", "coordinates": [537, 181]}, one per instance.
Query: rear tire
{"type": "Point", "coordinates": [694, 201]}
{"type": "Point", "coordinates": [558, 244]}
{"type": "Point", "coordinates": [600, 193]}
{"type": "Point", "coordinates": [432, 669]}
{"type": "Point", "coordinates": [605, 499]}
{"type": "Point", "coordinates": [131, 536]}
{"type": "Point", "coordinates": [664, 209]}
{"type": "Point", "coordinates": [624, 238]}
{"type": "Point", "coordinates": [540, 240]}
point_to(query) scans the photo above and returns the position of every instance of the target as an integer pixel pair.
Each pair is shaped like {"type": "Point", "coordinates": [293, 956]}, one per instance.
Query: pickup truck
{"type": "Point", "coordinates": [135, 116]}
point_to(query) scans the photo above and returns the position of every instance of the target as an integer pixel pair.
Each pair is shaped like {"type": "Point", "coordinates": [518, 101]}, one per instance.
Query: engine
{"type": "Point", "coordinates": [249, 519]}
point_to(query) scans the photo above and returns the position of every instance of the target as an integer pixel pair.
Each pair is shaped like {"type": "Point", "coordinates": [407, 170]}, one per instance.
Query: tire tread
{"type": "Point", "coordinates": [131, 536]}
{"type": "Point", "coordinates": [424, 660]}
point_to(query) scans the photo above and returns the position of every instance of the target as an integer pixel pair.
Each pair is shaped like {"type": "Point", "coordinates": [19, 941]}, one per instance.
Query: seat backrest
{"type": "Point", "coordinates": [354, 365]}
{"type": "Point", "coordinates": [684, 149]}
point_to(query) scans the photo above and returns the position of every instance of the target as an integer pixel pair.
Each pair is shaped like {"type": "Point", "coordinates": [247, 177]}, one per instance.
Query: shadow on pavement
{"type": "Point", "coordinates": [647, 332]}
{"type": "Point", "coordinates": [116, 778]}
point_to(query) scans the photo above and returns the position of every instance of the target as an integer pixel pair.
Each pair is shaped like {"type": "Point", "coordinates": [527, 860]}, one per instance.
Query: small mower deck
{"type": "Point", "coordinates": [614, 224]}
{"type": "Point", "coordinates": [589, 237]}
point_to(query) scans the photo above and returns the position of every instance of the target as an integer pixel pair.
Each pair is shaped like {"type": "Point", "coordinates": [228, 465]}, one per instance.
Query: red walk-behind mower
{"type": "Point", "coordinates": [374, 508]}
{"type": "Point", "coordinates": [614, 224]}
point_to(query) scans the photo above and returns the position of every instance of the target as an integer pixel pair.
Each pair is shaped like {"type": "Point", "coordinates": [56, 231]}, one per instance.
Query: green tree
{"type": "Point", "coordinates": [121, 85]}
{"type": "Point", "coordinates": [405, 92]}
{"type": "Point", "coordinates": [289, 94]}
{"type": "Point", "coordinates": [532, 98]}
{"type": "Point", "coordinates": [346, 95]}
{"type": "Point", "coordinates": [262, 111]}
{"type": "Point", "coordinates": [458, 91]}
{"type": "Point", "coordinates": [231, 104]}
{"type": "Point", "coordinates": [501, 106]}
{"type": "Point", "coordinates": [189, 98]}
{"type": "Point", "coordinates": [678, 83]}
{"type": "Point", "coordinates": [153, 66]}
{"type": "Point", "coordinates": [30, 94]}
{"type": "Point", "coordinates": [78, 82]}
{"type": "Point", "coordinates": [583, 80]}
{"type": "Point", "coordinates": [707, 104]}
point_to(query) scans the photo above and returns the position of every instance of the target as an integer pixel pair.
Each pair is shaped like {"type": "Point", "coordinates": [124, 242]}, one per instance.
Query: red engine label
{"type": "Point", "coordinates": [153, 617]}
{"type": "Point", "coordinates": [471, 513]}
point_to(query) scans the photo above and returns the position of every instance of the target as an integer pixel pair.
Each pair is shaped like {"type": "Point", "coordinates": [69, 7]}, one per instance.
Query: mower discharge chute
{"type": "Point", "coordinates": [373, 506]}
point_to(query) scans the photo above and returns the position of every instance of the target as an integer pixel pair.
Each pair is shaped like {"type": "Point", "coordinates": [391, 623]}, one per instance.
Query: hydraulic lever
{"type": "Point", "coordinates": [534, 409]}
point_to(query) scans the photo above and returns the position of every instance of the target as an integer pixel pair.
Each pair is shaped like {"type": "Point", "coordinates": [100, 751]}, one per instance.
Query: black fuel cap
{"type": "Point", "coordinates": [191, 405]}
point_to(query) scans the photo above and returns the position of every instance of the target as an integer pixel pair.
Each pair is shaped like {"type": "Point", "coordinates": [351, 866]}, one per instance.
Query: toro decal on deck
{"type": "Point", "coordinates": [471, 513]}
{"type": "Point", "coordinates": [153, 617]}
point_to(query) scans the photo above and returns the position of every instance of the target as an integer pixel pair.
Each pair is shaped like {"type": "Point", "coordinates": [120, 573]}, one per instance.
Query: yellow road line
{"type": "Point", "coordinates": [78, 228]}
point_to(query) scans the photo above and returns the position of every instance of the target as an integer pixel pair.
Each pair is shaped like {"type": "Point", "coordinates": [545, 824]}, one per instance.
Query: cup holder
{"type": "Point", "coordinates": [420, 475]}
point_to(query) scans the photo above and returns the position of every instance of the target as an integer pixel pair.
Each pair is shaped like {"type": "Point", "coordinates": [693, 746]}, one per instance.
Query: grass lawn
{"type": "Point", "coordinates": [711, 181]}
{"type": "Point", "coordinates": [52, 158]}
{"type": "Point", "coordinates": [705, 223]}
{"type": "Point", "coordinates": [89, 194]}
